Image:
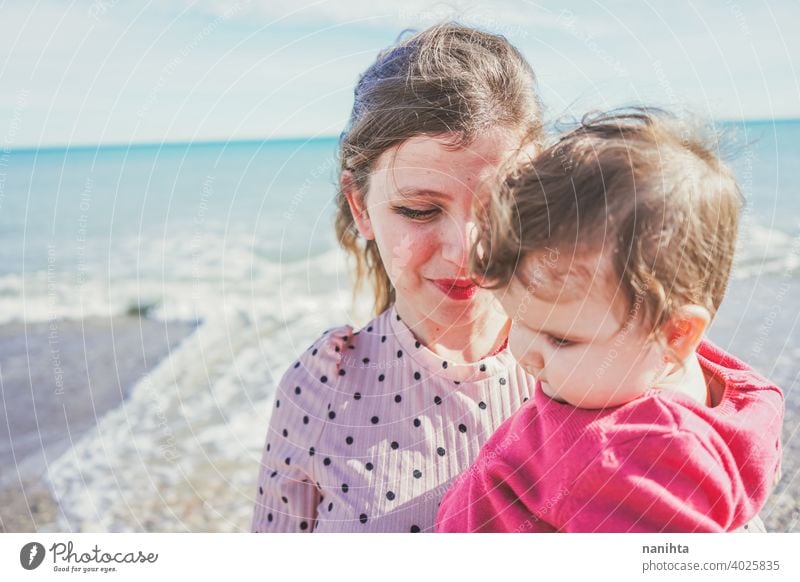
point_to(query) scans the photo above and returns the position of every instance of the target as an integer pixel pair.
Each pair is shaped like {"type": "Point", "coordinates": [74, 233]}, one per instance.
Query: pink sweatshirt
{"type": "Point", "coordinates": [370, 427]}
{"type": "Point", "coordinates": [660, 463]}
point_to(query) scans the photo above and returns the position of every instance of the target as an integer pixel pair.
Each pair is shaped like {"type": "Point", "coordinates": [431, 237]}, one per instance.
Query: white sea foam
{"type": "Point", "coordinates": [182, 453]}
{"type": "Point", "coordinates": [763, 251]}
{"type": "Point", "coordinates": [176, 278]}
{"type": "Point", "coordinates": [188, 279]}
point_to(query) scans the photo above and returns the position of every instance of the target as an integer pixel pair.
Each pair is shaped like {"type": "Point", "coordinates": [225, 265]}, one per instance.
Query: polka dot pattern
{"type": "Point", "coordinates": [372, 431]}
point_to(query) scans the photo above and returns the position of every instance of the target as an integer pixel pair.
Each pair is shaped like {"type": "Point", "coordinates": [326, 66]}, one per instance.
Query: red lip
{"type": "Point", "coordinates": [459, 289]}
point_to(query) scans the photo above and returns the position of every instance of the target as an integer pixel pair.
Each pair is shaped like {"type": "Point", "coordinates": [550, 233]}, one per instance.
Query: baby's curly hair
{"type": "Point", "coordinates": [634, 187]}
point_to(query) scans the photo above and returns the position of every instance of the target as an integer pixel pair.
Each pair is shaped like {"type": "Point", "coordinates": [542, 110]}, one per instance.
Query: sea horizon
{"type": "Point", "coordinates": [217, 141]}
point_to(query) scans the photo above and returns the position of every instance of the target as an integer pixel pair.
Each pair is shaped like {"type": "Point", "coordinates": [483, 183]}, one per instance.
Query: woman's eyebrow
{"type": "Point", "coordinates": [422, 193]}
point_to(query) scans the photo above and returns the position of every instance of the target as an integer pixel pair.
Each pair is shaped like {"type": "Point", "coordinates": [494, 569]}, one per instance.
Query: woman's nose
{"type": "Point", "coordinates": [457, 240]}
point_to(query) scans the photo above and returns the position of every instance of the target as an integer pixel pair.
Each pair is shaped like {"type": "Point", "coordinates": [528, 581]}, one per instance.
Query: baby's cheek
{"type": "Point", "coordinates": [604, 360]}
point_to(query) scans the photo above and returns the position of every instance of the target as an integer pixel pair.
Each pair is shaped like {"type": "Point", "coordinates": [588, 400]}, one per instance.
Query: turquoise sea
{"type": "Point", "coordinates": [221, 211]}
{"type": "Point", "coordinates": [238, 237]}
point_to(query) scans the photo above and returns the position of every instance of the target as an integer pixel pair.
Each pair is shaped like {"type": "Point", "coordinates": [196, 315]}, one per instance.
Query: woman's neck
{"type": "Point", "coordinates": [461, 342]}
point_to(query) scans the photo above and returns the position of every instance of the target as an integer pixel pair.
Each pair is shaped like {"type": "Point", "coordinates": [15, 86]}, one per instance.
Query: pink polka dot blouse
{"type": "Point", "coordinates": [369, 428]}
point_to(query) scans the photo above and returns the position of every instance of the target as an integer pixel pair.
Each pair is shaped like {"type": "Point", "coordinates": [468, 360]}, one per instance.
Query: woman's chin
{"type": "Point", "coordinates": [461, 311]}
{"type": "Point", "coordinates": [433, 304]}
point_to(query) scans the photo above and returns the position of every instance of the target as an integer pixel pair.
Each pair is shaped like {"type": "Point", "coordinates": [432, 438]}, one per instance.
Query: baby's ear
{"type": "Point", "coordinates": [685, 328]}
{"type": "Point", "coordinates": [358, 204]}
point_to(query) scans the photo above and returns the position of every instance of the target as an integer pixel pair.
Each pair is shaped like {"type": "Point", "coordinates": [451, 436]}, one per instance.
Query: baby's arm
{"type": "Point", "coordinates": [483, 499]}
{"type": "Point", "coordinates": [673, 482]}
{"type": "Point", "coordinates": [497, 493]}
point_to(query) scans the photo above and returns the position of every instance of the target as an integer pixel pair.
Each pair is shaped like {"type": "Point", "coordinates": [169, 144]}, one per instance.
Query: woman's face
{"type": "Point", "coordinates": [420, 210]}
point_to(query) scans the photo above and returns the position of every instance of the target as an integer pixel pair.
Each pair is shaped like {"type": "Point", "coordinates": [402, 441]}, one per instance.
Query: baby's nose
{"type": "Point", "coordinates": [534, 362]}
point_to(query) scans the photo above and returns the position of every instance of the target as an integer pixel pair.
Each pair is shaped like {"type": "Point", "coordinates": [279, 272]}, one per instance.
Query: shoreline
{"type": "Point", "coordinates": [59, 379]}
{"type": "Point", "coordinates": [757, 323]}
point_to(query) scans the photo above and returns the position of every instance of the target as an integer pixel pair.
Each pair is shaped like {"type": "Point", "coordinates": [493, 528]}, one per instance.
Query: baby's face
{"type": "Point", "coordinates": [581, 345]}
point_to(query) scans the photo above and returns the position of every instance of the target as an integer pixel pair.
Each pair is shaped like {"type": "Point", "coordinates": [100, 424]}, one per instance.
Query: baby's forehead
{"type": "Point", "coordinates": [565, 276]}
{"type": "Point", "coordinates": [573, 298]}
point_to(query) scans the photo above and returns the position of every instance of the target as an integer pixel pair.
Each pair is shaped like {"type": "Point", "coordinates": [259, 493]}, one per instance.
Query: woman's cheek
{"type": "Point", "coordinates": [408, 252]}
{"type": "Point", "coordinates": [516, 342]}
{"type": "Point", "coordinates": [400, 258]}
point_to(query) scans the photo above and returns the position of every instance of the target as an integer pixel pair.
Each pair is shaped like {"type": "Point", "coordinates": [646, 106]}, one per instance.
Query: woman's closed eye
{"type": "Point", "coordinates": [417, 213]}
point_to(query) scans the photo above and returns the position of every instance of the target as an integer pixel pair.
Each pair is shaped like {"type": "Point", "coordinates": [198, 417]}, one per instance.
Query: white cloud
{"type": "Point", "coordinates": [497, 15]}
{"type": "Point", "coordinates": [88, 69]}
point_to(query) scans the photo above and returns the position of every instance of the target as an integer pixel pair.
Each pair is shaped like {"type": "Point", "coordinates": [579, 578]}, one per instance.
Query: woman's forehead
{"type": "Point", "coordinates": [425, 165]}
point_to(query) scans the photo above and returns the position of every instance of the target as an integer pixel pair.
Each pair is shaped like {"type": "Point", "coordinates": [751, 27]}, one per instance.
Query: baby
{"type": "Point", "coordinates": [611, 251]}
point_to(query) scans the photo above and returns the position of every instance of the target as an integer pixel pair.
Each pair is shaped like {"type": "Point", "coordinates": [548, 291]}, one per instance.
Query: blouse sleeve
{"type": "Point", "coordinates": [288, 493]}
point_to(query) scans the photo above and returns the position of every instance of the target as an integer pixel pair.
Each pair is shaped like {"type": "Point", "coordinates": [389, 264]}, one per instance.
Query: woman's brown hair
{"type": "Point", "coordinates": [448, 79]}
{"type": "Point", "coordinates": [636, 187]}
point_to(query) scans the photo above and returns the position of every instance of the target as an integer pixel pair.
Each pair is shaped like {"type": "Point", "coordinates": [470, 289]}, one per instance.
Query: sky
{"type": "Point", "coordinates": [91, 72]}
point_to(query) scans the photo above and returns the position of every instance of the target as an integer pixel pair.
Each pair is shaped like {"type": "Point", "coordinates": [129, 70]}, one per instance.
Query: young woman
{"type": "Point", "coordinates": [370, 426]}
